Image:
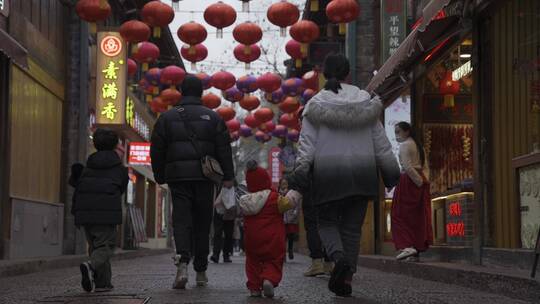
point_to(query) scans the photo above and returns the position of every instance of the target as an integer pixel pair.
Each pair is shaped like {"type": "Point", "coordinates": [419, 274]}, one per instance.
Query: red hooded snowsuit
{"type": "Point", "coordinates": [264, 235]}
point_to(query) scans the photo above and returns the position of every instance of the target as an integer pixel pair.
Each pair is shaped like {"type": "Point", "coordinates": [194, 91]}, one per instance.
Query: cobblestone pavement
{"type": "Point", "coordinates": [149, 280]}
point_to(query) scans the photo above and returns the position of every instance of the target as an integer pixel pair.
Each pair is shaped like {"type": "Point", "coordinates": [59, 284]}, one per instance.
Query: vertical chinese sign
{"type": "Point", "coordinates": [393, 26]}
{"type": "Point", "coordinates": [111, 79]}
{"type": "Point", "coordinates": [275, 167]}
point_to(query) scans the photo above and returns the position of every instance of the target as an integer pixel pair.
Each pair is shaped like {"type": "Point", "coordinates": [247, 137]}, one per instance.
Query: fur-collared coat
{"type": "Point", "coordinates": [343, 145]}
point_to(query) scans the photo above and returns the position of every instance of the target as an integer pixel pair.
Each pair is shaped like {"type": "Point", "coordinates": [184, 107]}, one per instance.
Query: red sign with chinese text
{"type": "Point", "coordinates": [139, 153]}
{"type": "Point", "coordinates": [457, 227]}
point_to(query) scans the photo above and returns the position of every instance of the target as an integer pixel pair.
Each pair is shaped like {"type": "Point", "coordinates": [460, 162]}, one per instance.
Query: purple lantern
{"type": "Point", "coordinates": [293, 87]}
{"type": "Point", "coordinates": [293, 135]}
{"type": "Point", "coordinates": [245, 131]}
{"type": "Point", "coordinates": [307, 95]}
{"type": "Point", "coordinates": [152, 76]}
{"type": "Point", "coordinates": [263, 137]}
{"type": "Point", "coordinates": [280, 131]}
{"type": "Point", "coordinates": [276, 97]}
{"type": "Point", "coordinates": [233, 95]}
{"type": "Point", "coordinates": [247, 84]}
{"type": "Point", "coordinates": [205, 78]}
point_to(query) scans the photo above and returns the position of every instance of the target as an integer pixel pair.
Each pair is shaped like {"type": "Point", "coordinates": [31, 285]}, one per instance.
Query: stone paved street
{"type": "Point", "coordinates": [148, 280]}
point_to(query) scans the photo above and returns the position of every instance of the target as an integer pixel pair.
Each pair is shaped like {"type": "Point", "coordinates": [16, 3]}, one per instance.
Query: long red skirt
{"type": "Point", "coordinates": [411, 215]}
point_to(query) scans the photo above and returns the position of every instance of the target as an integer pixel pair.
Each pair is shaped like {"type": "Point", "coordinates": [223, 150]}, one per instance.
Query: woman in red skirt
{"type": "Point", "coordinates": [290, 218]}
{"type": "Point", "coordinates": [411, 206]}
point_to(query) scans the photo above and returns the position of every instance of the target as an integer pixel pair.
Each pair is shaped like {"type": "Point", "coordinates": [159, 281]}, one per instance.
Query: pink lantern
{"type": "Point", "coordinates": [172, 75]}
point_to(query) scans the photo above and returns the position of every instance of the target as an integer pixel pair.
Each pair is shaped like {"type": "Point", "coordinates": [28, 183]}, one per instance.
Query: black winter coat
{"type": "Point", "coordinates": [174, 159]}
{"type": "Point", "coordinates": [98, 191]}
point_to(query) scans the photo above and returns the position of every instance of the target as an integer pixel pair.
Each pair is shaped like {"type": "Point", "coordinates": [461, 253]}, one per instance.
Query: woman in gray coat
{"type": "Point", "coordinates": [342, 147]}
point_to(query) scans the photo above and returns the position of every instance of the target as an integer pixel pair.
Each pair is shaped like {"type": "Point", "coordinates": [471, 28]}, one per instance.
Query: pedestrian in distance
{"type": "Point", "coordinates": [224, 221]}
{"type": "Point", "coordinates": [264, 232]}
{"type": "Point", "coordinates": [189, 143]}
{"type": "Point", "coordinates": [290, 218]}
{"type": "Point", "coordinates": [411, 204]}
{"type": "Point", "coordinates": [342, 147]}
{"type": "Point", "coordinates": [97, 207]}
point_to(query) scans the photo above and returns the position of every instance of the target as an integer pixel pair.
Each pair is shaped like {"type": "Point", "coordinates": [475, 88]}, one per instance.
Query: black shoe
{"type": "Point", "coordinates": [340, 281]}
{"type": "Point", "coordinates": [291, 255]}
{"type": "Point", "coordinates": [227, 259]}
{"type": "Point", "coordinates": [214, 259]}
{"type": "Point", "coordinates": [104, 288]}
{"type": "Point", "coordinates": [87, 277]}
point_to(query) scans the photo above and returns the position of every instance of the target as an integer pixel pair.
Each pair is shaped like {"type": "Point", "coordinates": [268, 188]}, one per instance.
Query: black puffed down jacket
{"type": "Point", "coordinates": [174, 158]}
{"type": "Point", "coordinates": [98, 190]}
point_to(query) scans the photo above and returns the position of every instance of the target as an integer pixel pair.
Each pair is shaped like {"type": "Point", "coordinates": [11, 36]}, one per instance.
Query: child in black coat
{"type": "Point", "coordinates": [97, 206]}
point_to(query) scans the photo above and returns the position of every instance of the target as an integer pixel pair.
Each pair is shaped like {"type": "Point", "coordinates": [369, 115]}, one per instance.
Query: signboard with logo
{"type": "Point", "coordinates": [393, 26]}
{"type": "Point", "coordinates": [139, 153]}
{"type": "Point", "coordinates": [136, 118]}
{"type": "Point", "coordinates": [111, 78]}
{"type": "Point", "coordinates": [275, 167]}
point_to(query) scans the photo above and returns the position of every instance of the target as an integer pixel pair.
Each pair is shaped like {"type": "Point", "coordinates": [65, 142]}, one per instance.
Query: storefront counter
{"type": "Point", "coordinates": [452, 218]}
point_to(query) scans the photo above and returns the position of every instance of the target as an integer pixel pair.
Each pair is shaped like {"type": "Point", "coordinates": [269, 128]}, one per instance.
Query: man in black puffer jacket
{"type": "Point", "coordinates": [175, 161]}
{"type": "Point", "coordinates": [97, 206]}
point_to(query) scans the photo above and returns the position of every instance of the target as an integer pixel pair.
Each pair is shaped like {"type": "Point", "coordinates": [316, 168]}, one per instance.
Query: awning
{"type": "Point", "coordinates": [394, 76]}
{"type": "Point", "coordinates": [13, 49]}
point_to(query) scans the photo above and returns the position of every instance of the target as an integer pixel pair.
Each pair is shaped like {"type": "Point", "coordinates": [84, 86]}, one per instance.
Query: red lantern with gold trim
{"type": "Point", "coordinates": [223, 80]}
{"type": "Point", "coordinates": [192, 33]}
{"type": "Point", "coordinates": [172, 75]}
{"type": "Point", "coordinates": [240, 54]}
{"type": "Point", "coordinates": [157, 14]}
{"type": "Point", "coordinates": [269, 82]}
{"type": "Point", "coordinates": [200, 54]}
{"type": "Point", "coordinates": [264, 114]}
{"type": "Point", "coordinates": [93, 11]}
{"type": "Point", "coordinates": [294, 49]}
{"type": "Point", "coordinates": [158, 105]}
{"type": "Point", "coordinates": [311, 80]}
{"type": "Point", "coordinates": [233, 125]}
{"type": "Point", "coordinates": [342, 12]}
{"type": "Point", "coordinates": [251, 121]}
{"type": "Point", "coordinates": [227, 113]}
{"type": "Point", "coordinates": [449, 88]}
{"type": "Point", "coordinates": [289, 105]}
{"type": "Point", "coordinates": [171, 96]}
{"type": "Point", "coordinates": [283, 14]}
{"type": "Point", "coordinates": [288, 120]}
{"type": "Point", "coordinates": [220, 16]}
{"type": "Point", "coordinates": [132, 67]}
{"type": "Point", "coordinates": [247, 33]}
{"type": "Point", "coordinates": [211, 101]}
{"type": "Point", "coordinates": [147, 52]}
{"type": "Point", "coordinates": [250, 102]}
{"type": "Point", "coordinates": [305, 31]}
{"type": "Point", "coordinates": [135, 31]}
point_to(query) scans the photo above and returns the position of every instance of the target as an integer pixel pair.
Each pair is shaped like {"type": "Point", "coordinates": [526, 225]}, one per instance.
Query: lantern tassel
{"type": "Point", "coordinates": [145, 66]}
{"type": "Point", "coordinates": [283, 32]}
{"type": "Point", "coordinates": [342, 28]}
{"type": "Point", "coordinates": [304, 49]}
{"type": "Point", "coordinates": [248, 66]}
{"type": "Point", "coordinates": [102, 4]}
{"type": "Point", "coordinates": [155, 90]}
{"type": "Point", "coordinates": [194, 66]}
{"type": "Point", "coordinates": [449, 101]}
{"type": "Point", "coordinates": [192, 50]}
{"type": "Point", "coordinates": [247, 50]}
{"type": "Point", "coordinates": [157, 32]}
{"type": "Point", "coordinates": [148, 98]}
{"type": "Point", "coordinates": [219, 33]}
{"type": "Point", "coordinates": [176, 6]}
{"type": "Point", "coordinates": [92, 27]}
{"type": "Point", "coordinates": [298, 63]}
{"type": "Point", "coordinates": [134, 48]}
{"type": "Point", "coordinates": [314, 5]}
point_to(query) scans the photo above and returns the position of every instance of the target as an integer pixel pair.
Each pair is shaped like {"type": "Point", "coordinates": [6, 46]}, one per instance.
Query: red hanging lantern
{"type": "Point", "coordinates": [147, 52]}
{"type": "Point", "coordinates": [206, 80]}
{"type": "Point", "coordinates": [227, 113]}
{"type": "Point", "coordinates": [220, 16]}
{"type": "Point", "coordinates": [134, 31]}
{"type": "Point", "coordinates": [289, 105]}
{"type": "Point", "coordinates": [192, 33]}
{"type": "Point", "coordinates": [223, 80]}
{"type": "Point", "coordinates": [294, 49]}
{"type": "Point", "coordinates": [233, 125]}
{"type": "Point", "coordinates": [211, 101]}
{"type": "Point", "coordinates": [250, 102]}
{"type": "Point", "coordinates": [247, 33]}
{"type": "Point", "coordinates": [449, 88]}
{"type": "Point", "coordinates": [158, 105]}
{"type": "Point", "coordinates": [251, 121]}
{"type": "Point", "coordinates": [132, 67]}
{"type": "Point", "coordinates": [269, 82]}
{"type": "Point", "coordinates": [305, 31]}
{"type": "Point", "coordinates": [93, 11]}
{"type": "Point", "coordinates": [283, 14]}
{"type": "Point", "coordinates": [342, 12]}
{"type": "Point", "coordinates": [171, 96]}
{"type": "Point", "coordinates": [311, 80]}
{"type": "Point", "coordinates": [172, 75]}
{"type": "Point", "coordinates": [200, 54]}
{"type": "Point", "coordinates": [264, 114]}
{"type": "Point", "coordinates": [157, 15]}
{"type": "Point", "coordinates": [287, 120]}
{"type": "Point", "coordinates": [240, 54]}
{"type": "Point", "coordinates": [268, 126]}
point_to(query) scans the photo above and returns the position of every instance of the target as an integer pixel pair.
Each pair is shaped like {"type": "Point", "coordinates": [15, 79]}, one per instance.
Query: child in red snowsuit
{"type": "Point", "coordinates": [264, 233]}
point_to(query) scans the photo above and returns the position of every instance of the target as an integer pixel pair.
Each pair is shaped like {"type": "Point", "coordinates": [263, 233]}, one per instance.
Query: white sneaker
{"type": "Point", "coordinates": [181, 279]}
{"type": "Point", "coordinates": [201, 279]}
{"type": "Point", "coordinates": [268, 289]}
{"type": "Point", "coordinates": [405, 253]}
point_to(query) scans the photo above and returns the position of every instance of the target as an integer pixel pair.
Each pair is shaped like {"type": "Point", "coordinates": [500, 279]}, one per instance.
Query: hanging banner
{"type": "Point", "coordinates": [275, 167]}
{"type": "Point", "coordinates": [139, 153]}
{"type": "Point", "coordinates": [111, 77]}
{"type": "Point", "coordinates": [393, 26]}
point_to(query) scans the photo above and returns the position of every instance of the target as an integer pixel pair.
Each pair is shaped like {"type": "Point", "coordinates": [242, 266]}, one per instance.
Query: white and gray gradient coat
{"type": "Point", "coordinates": [343, 145]}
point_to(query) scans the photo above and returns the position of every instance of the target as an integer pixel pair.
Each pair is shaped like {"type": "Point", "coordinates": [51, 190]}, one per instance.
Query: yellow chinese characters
{"type": "Point", "coordinates": [109, 111]}
{"type": "Point", "coordinates": [130, 116]}
{"type": "Point", "coordinates": [110, 71]}
{"type": "Point", "coordinates": [109, 90]}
